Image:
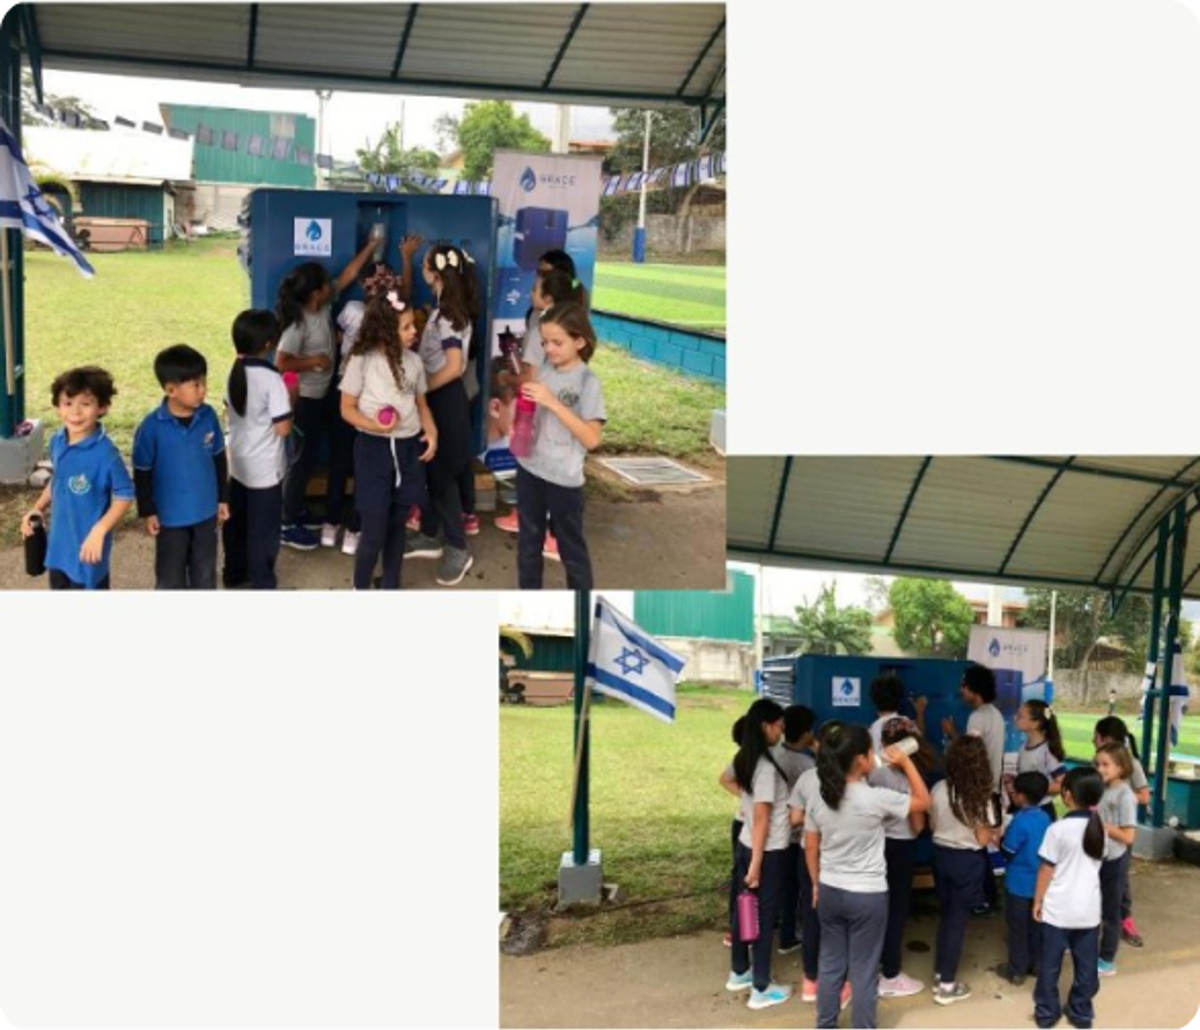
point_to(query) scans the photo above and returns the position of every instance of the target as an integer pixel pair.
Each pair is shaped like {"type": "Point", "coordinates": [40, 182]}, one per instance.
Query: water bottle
{"type": "Point", "coordinates": [379, 235]}
{"type": "Point", "coordinates": [908, 745]}
{"type": "Point", "coordinates": [520, 440]}
{"type": "Point", "coordinates": [747, 917]}
{"type": "Point", "coordinates": [35, 547]}
{"type": "Point", "coordinates": [386, 415]}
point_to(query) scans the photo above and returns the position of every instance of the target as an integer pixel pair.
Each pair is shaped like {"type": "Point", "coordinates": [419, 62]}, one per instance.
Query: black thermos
{"type": "Point", "coordinates": [35, 547]}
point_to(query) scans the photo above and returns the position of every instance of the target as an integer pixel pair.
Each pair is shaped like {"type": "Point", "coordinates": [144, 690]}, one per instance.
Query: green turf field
{"type": "Point", "coordinates": [680, 294]}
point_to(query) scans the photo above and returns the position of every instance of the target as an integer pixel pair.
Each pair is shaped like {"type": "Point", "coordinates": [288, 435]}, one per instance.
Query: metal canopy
{"type": "Point", "coordinates": [1073, 522]}
{"type": "Point", "coordinates": [612, 54]}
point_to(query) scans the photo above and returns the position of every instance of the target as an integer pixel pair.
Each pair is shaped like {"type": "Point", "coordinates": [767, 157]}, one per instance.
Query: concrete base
{"type": "Point", "coordinates": [18, 455]}
{"type": "Point", "coordinates": [580, 884]}
{"type": "Point", "coordinates": [1154, 843]}
{"type": "Point", "coordinates": [716, 432]}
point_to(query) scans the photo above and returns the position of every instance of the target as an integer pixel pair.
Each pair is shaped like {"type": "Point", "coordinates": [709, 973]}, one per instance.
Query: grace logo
{"type": "Point", "coordinates": [79, 485]}
{"type": "Point", "coordinates": [528, 180]}
{"type": "Point", "coordinates": [313, 232]}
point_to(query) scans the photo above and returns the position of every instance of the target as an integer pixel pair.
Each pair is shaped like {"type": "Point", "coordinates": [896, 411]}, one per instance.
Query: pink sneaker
{"type": "Point", "coordinates": [550, 548]}
{"type": "Point", "coordinates": [414, 519]}
{"type": "Point", "coordinates": [808, 990]}
{"type": "Point", "coordinates": [847, 997]}
{"type": "Point", "coordinates": [470, 525]}
{"type": "Point", "coordinates": [508, 523]}
{"type": "Point", "coordinates": [899, 986]}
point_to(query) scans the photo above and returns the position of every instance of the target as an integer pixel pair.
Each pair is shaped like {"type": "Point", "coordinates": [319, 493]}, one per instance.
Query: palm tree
{"type": "Point", "coordinates": [824, 628]}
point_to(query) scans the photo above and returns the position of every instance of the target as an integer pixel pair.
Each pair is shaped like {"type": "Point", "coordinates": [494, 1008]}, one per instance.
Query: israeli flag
{"type": "Point", "coordinates": [627, 664]}
{"type": "Point", "coordinates": [22, 205]}
{"type": "Point", "coordinates": [1178, 693]}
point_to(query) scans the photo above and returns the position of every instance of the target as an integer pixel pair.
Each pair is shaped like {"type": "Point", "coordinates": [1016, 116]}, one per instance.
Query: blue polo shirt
{"type": "Point", "coordinates": [88, 476]}
{"type": "Point", "coordinates": [1020, 845]}
{"type": "Point", "coordinates": [180, 459]}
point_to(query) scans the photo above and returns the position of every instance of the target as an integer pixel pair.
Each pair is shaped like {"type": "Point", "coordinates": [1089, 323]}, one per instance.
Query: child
{"type": "Point", "coordinates": [761, 853]}
{"type": "Point", "coordinates": [90, 490]}
{"type": "Point", "coordinates": [388, 476]}
{"type": "Point", "coordinates": [964, 816]}
{"type": "Point", "coordinates": [561, 261]}
{"type": "Point", "coordinates": [445, 351]}
{"type": "Point", "coordinates": [1043, 751]}
{"type": "Point", "coordinates": [260, 418]}
{"type": "Point", "coordinates": [978, 691]}
{"type": "Point", "coordinates": [180, 472]}
{"type": "Point", "coordinates": [794, 755]}
{"type": "Point", "coordinates": [1118, 812]}
{"type": "Point", "coordinates": [1021, 843]}
{"type": "Point", "coordinates": [900, 841]}
{"type": "Point", "coordinates": [845, 854]}
{"type": "Point", "coordinates": [1067, 902]}
{"type": "Point", "coordinates": [886, 694]}
{"type": "Point", "coordinates": [502, 397]}
{"type": "Point", "coordinates": [570, 422]}
{"type": "Point", "coordinates": [1113, 728]}
{"type": "Point", "coordinates": [728, 781]}
{"type": "Point", "coordinates": [306, 347]}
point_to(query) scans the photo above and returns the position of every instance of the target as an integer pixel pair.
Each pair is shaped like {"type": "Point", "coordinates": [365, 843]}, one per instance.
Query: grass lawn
{"type": "Point", "coordinates": [683, 295]}
{"type": "Point", "coordinates": [1077, 730]}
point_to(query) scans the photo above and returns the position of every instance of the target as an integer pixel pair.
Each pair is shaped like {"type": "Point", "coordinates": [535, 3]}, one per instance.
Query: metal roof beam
{"type": "Point", "coordinates": [1150, 554]}
{"type": "Point", "coordinates": [1087, 470]}
{"type": "Point", "coordinates": [708, 119]}
{"type": "Point", "coordinates": [1033, 513]}
{"type": "Point", "coordinates": [700, 58]}
{"type": "Point", "coordinates": [912, 493]}
{"type": "Point", "coordinates": [403, 47]}
{"type": "Point", "coordinates": [562, 50]}
{"type": "Point", "coordinates": [33, 45]}
{"type": "Point", "coordinates": [253, 37]}
{"type": "Point", "coordinates": [783, 486]}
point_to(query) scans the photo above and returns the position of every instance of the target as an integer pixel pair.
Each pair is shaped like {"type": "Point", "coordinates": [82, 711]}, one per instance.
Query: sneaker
{"type": "Point", "coordinates": [550, 548]}
{"type": "Point", "coordinates": [775, 994]}
{"type": "Point", "coordinates": [454, 565]}
{"type": "Point", "coordinates": [808, 990]}
{"type": "Point", "coordinates": [418, 545]}
{"type": "Point", "coordinates": [1106, 968]}
{"type": "Point", "coordinates": [787, 949]}
{"type": "Point", "coordinates": [740, 981]}
{"type": "Point", "coordinates": [470, 525]}
{"type": "Point", "coordinates": [329, 534]}
{"type": "Point", "coordinates": [350, 542]}
{"type": "Point", "coordinates": [727, 940]}
{"type": "Point", "coordinates": [299, 538]}
{"type": "Point", "coordinates": [1005, 973]}
{"type": "Point", "coordinates": [846, 998]}
{"type": "Point", "coordinates": [414, 519]}
{"type": "Point", "coordinates": [308, 520]}
{"type": "Point", "coordinates": [948, 994]}
{"type": "Point", "coordinates": [1129, 933]}
{"type": "Point", "coordinates": [508, 523]}
{"type": "Point", "coordinates": [899, 986]}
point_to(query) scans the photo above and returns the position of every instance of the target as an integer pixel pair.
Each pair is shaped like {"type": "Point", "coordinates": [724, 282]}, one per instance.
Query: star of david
{"type": "Point", "coordinates": [33, 196]}
{"type": "Point", "coordinates": [632, 661]}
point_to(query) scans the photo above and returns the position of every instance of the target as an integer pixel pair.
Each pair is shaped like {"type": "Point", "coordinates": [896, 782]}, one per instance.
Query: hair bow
{"type": "Point", "coordinates": [449, 258]}
{"type": "Point", "coordinates": [393, 298]}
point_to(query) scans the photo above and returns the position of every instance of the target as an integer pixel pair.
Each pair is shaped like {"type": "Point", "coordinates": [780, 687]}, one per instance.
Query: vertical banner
{"type": "Point", "coordinates": [546, 202]}
{"type": "Point", "coordinates": [1018, 659]}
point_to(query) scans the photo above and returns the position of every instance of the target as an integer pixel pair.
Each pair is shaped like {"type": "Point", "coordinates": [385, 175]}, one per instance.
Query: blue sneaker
{"type": "Point", "coordinates": [1106, 968]}
{"type": "Point", "coordinates": [740, 981]}
{"type": "Point", "coordinates": [299, 538]}
{"type": "Point", "coordinates": [775, 994]}
{"type": "Point", "coordinates": [308, 520]}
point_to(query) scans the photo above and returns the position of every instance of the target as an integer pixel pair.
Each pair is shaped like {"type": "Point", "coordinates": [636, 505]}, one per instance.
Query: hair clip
{"type": "Point", "coordinates": [439, 261]}
{"type": "Point", "coordinates": [393, 298]}
{"type": "Point", "coordinates": [470, 260]}
{"type": "Point", "coordinates": [1049, 713]}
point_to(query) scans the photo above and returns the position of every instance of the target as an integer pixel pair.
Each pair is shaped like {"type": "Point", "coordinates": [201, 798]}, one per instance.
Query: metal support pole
{"type": "Point", "coordinates": [583, 629]}
{"type": "Point", "coordinates": [639, 234]}
{"type": "Point", "coordinates": [1152, 655]}
{"type": "Point", "coordinates": [12, 343]}
{"type": "Point", "coordinates": [1174, 601]}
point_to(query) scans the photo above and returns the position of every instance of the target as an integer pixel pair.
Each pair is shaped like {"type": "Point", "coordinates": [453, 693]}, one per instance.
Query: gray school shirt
{"type": "Point", "coordinates": [948, 830]}
{"type": "Point", "coordinates": [438, 337]}
{"type": "Point", "coordinates": [768, 787]}
{"type": "Point", "coordinates": [308, 338]}
{"type": "Point", "coordinates": [1118, 807]}
{"type": "Point", "coordinates": [369, 378]}
{"type": "Point", "coordinates": [852, 857]}
{"type": "Point", "coordinates": [801, 795]}
{"type": "Point", "coordinates": [533, 353]}
{"type": "Point", "coordinates": [1138, 780]}
{"type": "Point", "coordinates": [891, 778]}
{"type": "Point", "coordinates": [557, 456]}
{"type": "Point", "coordinates": [988, 723]}
{"type": "Point", "coordinates": [793, 763]}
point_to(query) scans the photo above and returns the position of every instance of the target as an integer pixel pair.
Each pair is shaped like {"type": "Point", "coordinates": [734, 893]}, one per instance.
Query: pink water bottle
{"type": "Point", "coordinates": [747, 917]}
{"type": "Point", "coordinates": [520, 440]}
{"type": "Point", "coordinates": [386, 415]}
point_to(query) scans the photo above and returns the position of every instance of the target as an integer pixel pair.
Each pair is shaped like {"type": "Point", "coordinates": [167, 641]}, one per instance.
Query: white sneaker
{"type": "Point", "coordinates": [899, 986]}
{"type": "Point", "coordinates": [329, 535]}
{"type": "Point", "coordinates": [350, 542]}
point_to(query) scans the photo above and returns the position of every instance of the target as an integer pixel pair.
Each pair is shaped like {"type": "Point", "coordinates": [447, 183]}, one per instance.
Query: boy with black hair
{"type": "Point", "coordinates": [1020, 845]}
{"type": "Point", "coordinates": [181, 473]}
{"type": "Point", "coordinates": [978, 691]}
{"type": "Point", "coordinates": [90, 490]}
{"type": "Point", "coordinates": [886, 694]}
{"type": "Point", "coordinates": [794, 756]}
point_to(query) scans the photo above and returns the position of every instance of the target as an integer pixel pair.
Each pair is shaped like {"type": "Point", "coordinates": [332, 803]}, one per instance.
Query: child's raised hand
{"type": "Point", "coordinates": [430, 447]}
{"type": "Point", "coordinates": [409, 245]}
{"type": "Point", "coordinates": [153, 525]}
{"type": "Point", "coordinates": [93, 546]}
{"type": "Point", "coordinates": [222, 514]}
{"type": "Point", "coordinates": [27, 521]}
{"type": "Point", "coordinates": [539, 393]}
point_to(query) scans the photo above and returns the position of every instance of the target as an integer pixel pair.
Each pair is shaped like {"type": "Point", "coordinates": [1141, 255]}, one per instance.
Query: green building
{"type": "Point", "coordinates": [256, 148]}
{"type": "Point", "coordinates": [700, 614]}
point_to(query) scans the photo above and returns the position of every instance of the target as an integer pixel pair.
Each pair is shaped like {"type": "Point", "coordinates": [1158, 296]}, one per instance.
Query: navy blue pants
{"type": "Point", "coordinates": [185, 557]}
{"type": "Point", "coordinates": [388, 479]}
{"type": "Point", "coordinates": [442, 511]}
{"type": "Point", "coordinates": [1085, 982]}
{"type": "Point", "coordinates": [810, 923]}
{"type": "Point", "coordinates": [1114, 878]}
{"type": "Point", "coordinates": [852, 928]}
{"type": "Point", "coordinates": [341, 461]}
{"type": "Point", "coordinates": [251, 535]}
{"type": "Point", "coordinates": [959, 889]}
{"type": "Point", "coordinates": [735, 831]}
{"type": "Point", "coordinates": [1024, 937]}
{"type": "Point", "coordinates": [789, 906]}
{"type": "Point", "coordinates": [312, 419]}
{"type": "Point", "coordinates": [899, 855]}
{"type": "Point", "coordinates": [564, 504]}
{"type": "Point", "coordinates": [770, 893]}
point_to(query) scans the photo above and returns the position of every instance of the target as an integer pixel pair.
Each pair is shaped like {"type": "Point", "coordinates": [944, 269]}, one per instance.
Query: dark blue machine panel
{"type": "Point", "coordinates": [538, 229]}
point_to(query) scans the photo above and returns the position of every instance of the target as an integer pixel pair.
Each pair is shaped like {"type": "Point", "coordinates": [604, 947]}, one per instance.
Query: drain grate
{"type": "Point", "coordinates": [653, 471]}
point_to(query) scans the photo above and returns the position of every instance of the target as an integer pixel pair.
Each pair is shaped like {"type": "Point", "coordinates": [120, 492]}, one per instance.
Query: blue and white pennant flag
{"type": "Point", "coordinates": [22, 205]}
{"type": "Point", "coordinates": [630, 665]}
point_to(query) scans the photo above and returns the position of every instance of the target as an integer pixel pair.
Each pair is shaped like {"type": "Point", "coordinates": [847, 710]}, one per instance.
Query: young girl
{"type": "Point", "coordinates": [1118, 812]}
{"type": "Point", "coordinates": [259, 413]}
{"type": "Point", "coordinates": [561, 261]}
{"type": "Point", "coordinates": [965, 818]}
{"type": "Point", "coordinates": [445, 350]}
{"type": "Point", "coordinates": [383, 373]}
{"type": "Point", "coordinates": [900, 841]}
{"type": "Point", "coordinates": [728, 781]}
{"type": "Point", "coordinates": [761, 852]}
{"type": "Point", "coordinates": [845, 853]}
{"type": "Point", "coordinates": [795, 756]}
{"type": "Point", "coordinates": [1067, 902]}
{"type": "Point", "coordinates": [306, 347]}
{"type": "Point", "coordinates": [1113, 728]}
{"type": "Point", "coordinates": [570, 422]}
{"type": "Point", "coordinates": [1043, 751]}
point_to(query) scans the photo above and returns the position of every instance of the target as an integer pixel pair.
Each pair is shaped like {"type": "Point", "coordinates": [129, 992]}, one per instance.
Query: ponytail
{"type": "Point", "coordinates": [1086, 788]}
{"type": "Point", "coordinates": [1047, 721]}
{"type": "Point", "coordinates": [295, 289]}
{"type": "Point", "coordinates": [840, 746]}
{"type": "Point", "coordinates": [559, 286]}
{"type": "Point", "coordinates": [754, 741]}
{"type": "Point", "coordinates": [1112, 727]}
{"type": "Point", "coordinates": [253, 333]}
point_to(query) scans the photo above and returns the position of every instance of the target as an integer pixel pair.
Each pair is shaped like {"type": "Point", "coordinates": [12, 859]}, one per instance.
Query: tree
{"type": "Point", "coordinates": [824, 628]}
{"type": "Point", "coordinates": [932, 618]}
{"type": "Point", "coordinates": [388, 157]}
{"type": "Point", "coordinates": [876, 590]}
{"type": "Point", "coordinates": [1082, 617]}
{"type": "Point", "coordinates": [72, 105]}
{"type": "Point", "coordinates": [485, 127]}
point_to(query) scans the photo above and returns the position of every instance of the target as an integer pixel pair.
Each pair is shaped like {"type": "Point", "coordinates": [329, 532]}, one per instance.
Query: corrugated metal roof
{"type": "Point", "coordinates": [1088, 522]}
{"type": "Point", "coordinates": [614, 54]}
{"type": "Point", "coordinates": [117, 154]}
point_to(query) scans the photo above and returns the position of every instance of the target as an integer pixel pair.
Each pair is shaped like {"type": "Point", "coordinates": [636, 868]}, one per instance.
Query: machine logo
{"type": "Point", "coordinates": [847, 692]}
{"type": "Point", "coordinates": [994, 648]}
{"type": "Point", "coordinates": [313, 232]}
{"type": "Point", "coordinates": [312, 237]}
{"type": "Point", "coordinates": [528, 180]}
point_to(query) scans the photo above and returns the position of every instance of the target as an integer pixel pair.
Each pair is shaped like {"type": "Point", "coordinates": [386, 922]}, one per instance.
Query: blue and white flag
{"type": "Point", "coordinates": [22, 205]}
{"type": "Point", "coordinates": [627, 664]}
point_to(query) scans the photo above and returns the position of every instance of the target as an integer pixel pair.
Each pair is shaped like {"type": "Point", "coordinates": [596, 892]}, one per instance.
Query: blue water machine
{"type": "Point", "coordinates": [537, 230]}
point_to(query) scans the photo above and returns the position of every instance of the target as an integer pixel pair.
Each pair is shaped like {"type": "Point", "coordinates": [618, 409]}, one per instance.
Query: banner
{"type": "Point", "coordinates": [1021, 651]}
{"type": "Point", "coordinates": [546, 202]}
{"type": "Point", "coordinates": [626, 663]}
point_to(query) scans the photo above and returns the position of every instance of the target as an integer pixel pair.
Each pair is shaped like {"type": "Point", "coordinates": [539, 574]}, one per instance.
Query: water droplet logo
{"type": "Point", "coordinates": [528, 180]}
{"type": "Point", "coordinates": [847, 688]}
{"type": "Point", "coordinates": [313, 232]}
{"type": "Point", "coordinates": [994, 648]}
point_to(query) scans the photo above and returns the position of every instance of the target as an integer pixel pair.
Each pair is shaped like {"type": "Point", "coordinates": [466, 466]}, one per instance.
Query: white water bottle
{"type": "Point", "coordinates": [908, 745]}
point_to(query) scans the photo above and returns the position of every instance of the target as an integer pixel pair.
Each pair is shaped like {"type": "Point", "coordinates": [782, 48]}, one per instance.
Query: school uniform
{"type": "Point", "coordinates": [1137, 782]}
{"type": "Point", "coordinates": [987, 723]}
{"type": "Point", "coordinates": [1118, 807]}
{"type": "Point", "coordinates": [1020, 845]}
{"type": "Point", "coordinates": [735, 831]}
{"type": "Point", "coordinates": [793, 762]}
{"type": "Point", "coordinates": [1070, 920]}
{"type": "Point", "coordinates": [807, 786]}
{"type": "Point", "coordinates": [1039, 758]}
{"type": "Point", "coordinates": [899, 848]}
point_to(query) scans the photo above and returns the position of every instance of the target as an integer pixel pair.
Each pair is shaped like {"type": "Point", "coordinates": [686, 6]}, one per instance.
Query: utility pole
{"type": "Point", "coordinates": [322, 96]}
{"type": "Point", "coordinates": [639, 234]}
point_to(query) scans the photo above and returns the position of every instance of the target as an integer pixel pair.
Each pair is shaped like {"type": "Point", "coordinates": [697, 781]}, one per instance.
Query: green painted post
{"type": "Point", "coordinates": [1160, 561]}
{"type": "Point", "coordinates": [12, 403]}
{"type": "Point", "coordinates": [583, 629]}
{"type": "Point", "coordinates": [1174, 601]}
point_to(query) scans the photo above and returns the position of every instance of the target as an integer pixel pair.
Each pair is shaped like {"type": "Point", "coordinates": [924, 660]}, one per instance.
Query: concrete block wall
{"type": "Point", "coordinates": [692, 353]}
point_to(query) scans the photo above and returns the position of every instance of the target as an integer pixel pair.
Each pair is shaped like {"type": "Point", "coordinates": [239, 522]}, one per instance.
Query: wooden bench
{"type": "Point", "coordinates": [540, 689]}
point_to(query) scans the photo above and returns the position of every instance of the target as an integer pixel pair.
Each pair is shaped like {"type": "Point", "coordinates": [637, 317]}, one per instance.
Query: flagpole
{"type": "Point", "coordinates": [10, 345]}
{"type": "Point", "coordinates": [583, 694]}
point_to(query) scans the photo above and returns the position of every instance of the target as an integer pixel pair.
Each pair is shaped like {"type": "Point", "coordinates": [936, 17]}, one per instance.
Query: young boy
{"type": "Point", "coordinates": [794, 756]}
{"type": "Point", "coordinates": [180, 472]}
{"type": "Point", "coordinates": [90, 490]}
{"type": "Point", "coordinates": [1020, 845]}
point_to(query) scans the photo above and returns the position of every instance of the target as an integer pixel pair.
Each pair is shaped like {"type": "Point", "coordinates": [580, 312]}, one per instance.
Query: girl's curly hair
{"type": "Point", "coordinates": [380, 330]}
{"type": "Point", "coordinates": [969, 782]}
